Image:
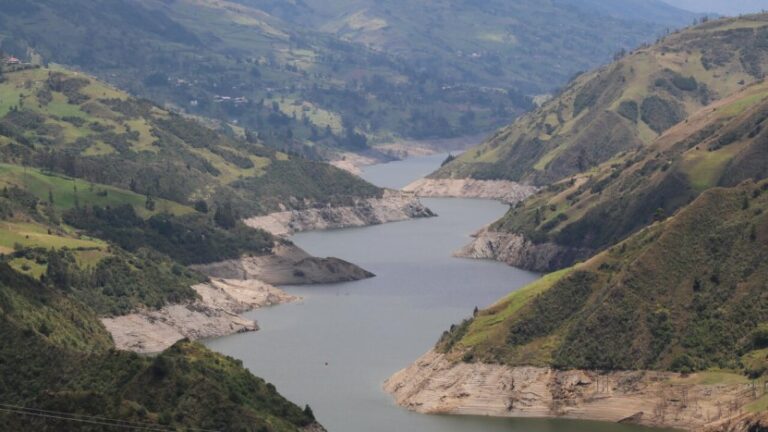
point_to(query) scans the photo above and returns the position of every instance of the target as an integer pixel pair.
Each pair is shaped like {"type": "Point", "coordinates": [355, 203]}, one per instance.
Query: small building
{"type": "Point", "coordinates": [12, 60]}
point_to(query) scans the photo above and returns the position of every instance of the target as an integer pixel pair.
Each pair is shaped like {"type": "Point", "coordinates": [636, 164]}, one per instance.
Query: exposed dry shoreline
{"type": "Point", "coordinates": [215, 314]}
{"type": "Point", "coordinates": [392, 207]}
{"type": "Point", "coordinates": [436, 385]}
{"type": "Point", "coordinates": [247, 283]}
{"type": "Point", "coordinates": [404, 149]}
{"type": "Point", "coordinates": [502, 190]}
{"type": "Point", "coordinates": [517, 251]}
{"type": "Point", "coordinates": [236, 286]}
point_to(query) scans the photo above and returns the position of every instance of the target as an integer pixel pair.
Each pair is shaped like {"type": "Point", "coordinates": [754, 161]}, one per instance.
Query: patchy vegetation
{"type": "Point", "coordinates": [718, 146]}
{"type": "Point", "coordinates": [622, 106]}
{"type": "Point", "coordinates": [97, 134]}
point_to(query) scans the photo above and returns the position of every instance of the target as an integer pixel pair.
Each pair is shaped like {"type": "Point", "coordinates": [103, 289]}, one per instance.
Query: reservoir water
{"type": "Point", "coordinates": [334, 349]}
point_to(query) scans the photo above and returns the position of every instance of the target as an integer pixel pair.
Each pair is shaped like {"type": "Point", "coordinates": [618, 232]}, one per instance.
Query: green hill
{"type": "Point", "coordinates": [624, 105]}
{"type": "Point", "coordinates": [684, 294]}
{"type": "Point", "coordinates": [300, 89]}
{"type": "Point", "coordinates": [74, 125]}
{"type": "Point", "coordinates": [104, 201]}
{"type": "Point", "coordinates": [721, 145]}
{"type": "Point", "coordinates": [56, 359]}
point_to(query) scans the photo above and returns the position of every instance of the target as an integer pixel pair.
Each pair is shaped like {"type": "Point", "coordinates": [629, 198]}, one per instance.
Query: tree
{"type": "Point", "coordinates": [201, 206]}
{"type": "Point", "coordinates": [57, 271]}
{"type": "Point", "coordinates": [149, 204]}
{"type": "Point", "coordinates": [225, 216]}
{"type": "Point", "coordinates": [308, 412]}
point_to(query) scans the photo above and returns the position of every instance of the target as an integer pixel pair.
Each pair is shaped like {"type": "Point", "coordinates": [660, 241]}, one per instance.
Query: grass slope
{"type": "Point", "coordinates": [684, 294]}
{"type": "Point", "coordinates": [74, 125]}
{"type": "Point", "coordinates": [721, 145]}
{"type": "Point", "coordinates": [624, 105]}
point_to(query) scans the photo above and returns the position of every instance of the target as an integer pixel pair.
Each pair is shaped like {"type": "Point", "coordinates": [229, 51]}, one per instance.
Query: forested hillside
{"type": "Point", "coordinates": [74, 125]}
{"type": "Point", "coordinates": [684, 294]}
{"type": "Point", "coordinates": [105, 200]}
{"type": "Point", "coordinates": [624, 105]}
{"type": "Point", "coordinates": [57, 364]}
{"type": "Point", "coordinates": [721, 145]}
{"type": "Point", "coordinates": [532, 46]}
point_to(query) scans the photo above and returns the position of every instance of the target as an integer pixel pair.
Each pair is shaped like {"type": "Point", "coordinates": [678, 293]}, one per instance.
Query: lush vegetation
{"type": "Point", "coordinates": [722, 145]}
{"type": "Point", "coordinates": [297, 88]}
{"type": "Point", "coordinates": [104, 200]}
{"type": "Point", "coordinates": [192, 239]}
{"type": "Point", "coordinates": [685, 294]}
{"type": "Point", "coordinates": [56, 357]}
{"type": "Point", "coordinates": [624, 105]}
{"type": "Point", "coordinates": [77, 127]}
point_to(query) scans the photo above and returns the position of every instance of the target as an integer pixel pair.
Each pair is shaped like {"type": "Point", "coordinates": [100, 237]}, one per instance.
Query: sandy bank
{"type": "Point", "coordinates": [287, 265]}
{"type": "Point", "coordinates": [502, 190]}
{"type": "Point", "coordinates": [516, 250]}
{"type": "Point", "coordinates": [215, 314]}
{"type": "Point", "coordinates": [434, 384]}
{"type": "Point", "coordinates": [392, 207]}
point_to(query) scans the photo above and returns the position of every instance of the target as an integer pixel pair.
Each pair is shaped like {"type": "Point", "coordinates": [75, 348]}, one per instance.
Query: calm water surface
{"type": "Point", "coordinates": [334, 349]}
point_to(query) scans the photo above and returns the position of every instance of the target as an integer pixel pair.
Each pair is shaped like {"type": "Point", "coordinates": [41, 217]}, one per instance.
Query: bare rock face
{"type": "Point", "coordinates": [392, 207]}
{"type": "Point", "coordinates": [516, 250]}
{"type": "Point", "coordinates": [287, 265]}
{"type": "Point", "coordinates": [215, 314]}
{"type": "Point", "coordinates": [436, 384]}
{"type": "Point", "coordinates": [502, 190]}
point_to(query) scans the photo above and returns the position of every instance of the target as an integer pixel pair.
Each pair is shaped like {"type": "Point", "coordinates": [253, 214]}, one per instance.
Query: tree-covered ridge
{"type": "Point", "coordinates": [300, 89]}
{"type": "Point", "coordinates": [74, 125]}
{"type": "Point", "coordinates": [685, 294]}
{"type": "Point", "coordinates": [56, 357]}
{"type": "Point", "coordinates": [721, 145]}
{"type": "Point", "coordinates": [624, 105]}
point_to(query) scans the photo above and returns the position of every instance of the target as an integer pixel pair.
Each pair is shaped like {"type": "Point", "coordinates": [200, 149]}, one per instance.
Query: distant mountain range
{"type": "Point", "coordinates": [316, 76]}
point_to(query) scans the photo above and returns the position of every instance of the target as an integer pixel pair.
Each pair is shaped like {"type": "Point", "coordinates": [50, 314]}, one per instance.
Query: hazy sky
{"type": "Point", "coordinates": [725, 7]}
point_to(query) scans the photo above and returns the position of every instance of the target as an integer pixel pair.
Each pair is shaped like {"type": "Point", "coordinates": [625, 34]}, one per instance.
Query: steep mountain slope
{"type": "Point", "coordinates": [299, 89]}
{"type": "Point", "coordinates": [533, 46]}
{"type": "Point", "coordinates": [721, 145]}
{"type": "Point", "coordinates": [684, 295]}
{"type": "Point", "coordinates": [622, 106]}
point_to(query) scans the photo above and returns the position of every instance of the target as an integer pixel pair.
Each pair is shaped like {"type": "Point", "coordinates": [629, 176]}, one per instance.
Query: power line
{"type": "Point", "coordinates": [96, 420]}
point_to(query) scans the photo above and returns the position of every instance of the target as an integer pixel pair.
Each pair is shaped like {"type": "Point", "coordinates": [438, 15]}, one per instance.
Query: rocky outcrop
{"type": "Point", "coordinates": [434, 384]}
{"type": "Point", "coordinates": [750, 422]}
{"type": "Point", "coordinates": [502, 190]}
{"type": "Point", "coordinates": [214, 314]}
{"type": "Point", "coordinates": [287, 265]}
{"type": "Point", "coordinates": [391, 207]}
{"type": "Point", "coordinates": [516, 250]}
